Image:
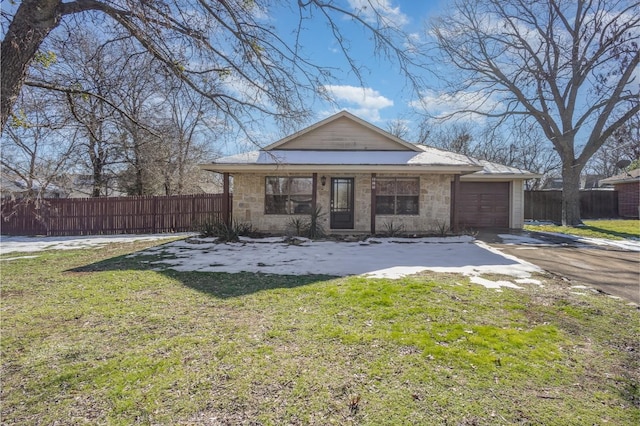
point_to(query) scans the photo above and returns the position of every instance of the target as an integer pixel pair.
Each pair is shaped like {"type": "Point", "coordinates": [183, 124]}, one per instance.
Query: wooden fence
{"type": "Point", "coordinates": [547, 205]}
{"type": "Point", "coordinates": [117, 215]}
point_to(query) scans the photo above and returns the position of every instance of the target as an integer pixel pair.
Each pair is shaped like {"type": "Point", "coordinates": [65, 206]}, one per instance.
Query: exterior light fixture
{"type": "Point", "coordinates": [323, 180]}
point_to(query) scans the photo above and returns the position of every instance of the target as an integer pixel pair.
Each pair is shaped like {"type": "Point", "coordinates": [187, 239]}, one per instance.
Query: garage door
{"type": "Point", "coordinates": [484, 205]}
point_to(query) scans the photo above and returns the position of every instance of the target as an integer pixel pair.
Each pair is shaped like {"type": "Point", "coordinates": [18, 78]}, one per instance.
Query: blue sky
{"type": "Point", "coordinates": [384, 94]}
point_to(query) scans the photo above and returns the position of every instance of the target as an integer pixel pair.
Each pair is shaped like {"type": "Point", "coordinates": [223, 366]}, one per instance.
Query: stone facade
{"type": "Point", "coordinates": [434, 204]}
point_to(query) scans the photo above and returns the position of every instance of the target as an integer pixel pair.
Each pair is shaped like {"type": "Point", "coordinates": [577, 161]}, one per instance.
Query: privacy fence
{"type": "Point", "coordinates": [547, 205]}
{"type": "Point", "coordinates": [117, 215]}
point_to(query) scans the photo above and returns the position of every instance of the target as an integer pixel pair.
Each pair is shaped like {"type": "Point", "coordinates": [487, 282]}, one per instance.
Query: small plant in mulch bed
{"type": "Point", "coordinates": [225, 232]}
{"type": "Point", "coordinates": [442, 228]}
{"type": "Point", "coordinates": [297, 226]}
{"type": "Point", "coordinates": [310, 227]}
{"type": "Point", "coordinates": [392, 230]}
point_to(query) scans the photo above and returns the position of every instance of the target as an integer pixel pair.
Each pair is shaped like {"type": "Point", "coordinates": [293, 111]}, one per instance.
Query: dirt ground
{"type": "Point", "coordinates": [613, 271]}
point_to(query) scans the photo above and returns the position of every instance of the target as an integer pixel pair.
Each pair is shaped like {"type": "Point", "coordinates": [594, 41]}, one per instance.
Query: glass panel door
{"type": "Point", "coordinates": [342, 205]}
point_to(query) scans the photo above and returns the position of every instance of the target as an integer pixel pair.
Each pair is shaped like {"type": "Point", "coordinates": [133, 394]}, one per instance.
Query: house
{"type": "Point", "coordinates": [628, 187]}
{"type": "Point", "coordinates": [13, 187]}
{"type": "Point", "coordinates": [368, 180]}
{"type": "Point", "coordinates": [587, 181]}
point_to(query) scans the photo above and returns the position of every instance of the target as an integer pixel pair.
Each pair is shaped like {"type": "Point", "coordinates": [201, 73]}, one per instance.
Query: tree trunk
{"type": "Point", "coordinates": [98, 177]}
{"type": "Point", "coordinates": [571, 193]}
{"type": "Point", "coordinates": [31, 24]}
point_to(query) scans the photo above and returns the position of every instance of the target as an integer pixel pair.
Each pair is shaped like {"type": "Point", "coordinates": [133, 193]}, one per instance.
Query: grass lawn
{"type": "Point", "coordinates": [94, 337]}
{"type": "Point", "coordinates": [609, 229]}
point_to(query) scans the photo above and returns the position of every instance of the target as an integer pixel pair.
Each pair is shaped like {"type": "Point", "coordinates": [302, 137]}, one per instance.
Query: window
{"type": "Point", "coordinates": [397, 196]}
{"type": "Point", "coordinates": [288, 195]}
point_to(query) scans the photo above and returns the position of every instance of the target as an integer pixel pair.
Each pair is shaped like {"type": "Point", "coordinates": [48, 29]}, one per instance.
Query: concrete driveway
{"type": "Point", "coordinates": [609, 269]}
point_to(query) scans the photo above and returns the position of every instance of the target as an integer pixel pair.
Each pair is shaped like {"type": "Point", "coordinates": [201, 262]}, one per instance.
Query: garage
{"type": "Point", "coordinates": [484, 204]}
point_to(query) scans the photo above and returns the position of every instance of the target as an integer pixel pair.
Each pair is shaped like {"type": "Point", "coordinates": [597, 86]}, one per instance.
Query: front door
{"type": "Point", "coordinates": [341, 215]}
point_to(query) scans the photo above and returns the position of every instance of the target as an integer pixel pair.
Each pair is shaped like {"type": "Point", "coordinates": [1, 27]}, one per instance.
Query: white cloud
{"type": "Point", "coordinates": [389, 14]}
{"type": "Point", "coordinates": [364, 102]}
{"type": "Point", "coordinates": [442, 105]}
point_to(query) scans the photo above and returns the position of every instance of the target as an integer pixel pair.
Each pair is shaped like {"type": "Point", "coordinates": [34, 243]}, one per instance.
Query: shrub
{"type": "Point", "coordinates": [392, 230]}
{"type": "Point", "coordinates": [225, 232]}
{"type": "Point", "coordinates": [442, 229]}
{"type": "Point", "coordinates": [315, 229]}
{"type": "Point", "coordinates": [310, 227]}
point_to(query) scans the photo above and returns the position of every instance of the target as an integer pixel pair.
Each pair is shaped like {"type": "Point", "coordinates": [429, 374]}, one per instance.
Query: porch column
{"type": "Point", "coordinates": [226, 204]}
{"type": "Point", "coordinates": [455, 208]}
{"type": "Point", "coordinates": [314, 191]}
{"type": "Point", "coordinates": [373, 203]}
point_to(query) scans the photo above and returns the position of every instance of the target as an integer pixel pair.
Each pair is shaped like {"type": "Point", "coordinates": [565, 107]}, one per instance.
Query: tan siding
{"type": "Point", "coordinates": [343, 134]}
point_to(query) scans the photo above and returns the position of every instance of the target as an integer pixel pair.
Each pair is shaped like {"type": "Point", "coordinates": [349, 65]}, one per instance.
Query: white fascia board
{"type": "Point", "coordinates": [498, 177]}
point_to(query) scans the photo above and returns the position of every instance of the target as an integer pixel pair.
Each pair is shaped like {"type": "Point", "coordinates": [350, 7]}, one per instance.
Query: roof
{"type": "Point", "coordinates": [627, 177]}
{"type": "Point", "coordinates": [492, 170]}
{"type": "Point", "coordinates": [428, 159]}
{"type": "Point", "coordinates": [10, 184]}
{"type": "Point", "coordinates": [392, 154]}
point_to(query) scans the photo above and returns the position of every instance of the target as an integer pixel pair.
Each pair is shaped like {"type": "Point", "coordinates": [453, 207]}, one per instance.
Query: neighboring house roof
{"type": "Point", "coordinates": [587, 181]}
{"type": "Point", "coordinates": [13, 186]}
{"type": "Point", "coordinates": [8, 185]}
{"type": "Point", "coordinates": [627, 177]}
{"type": "Point", "coordinates": [345, 142]}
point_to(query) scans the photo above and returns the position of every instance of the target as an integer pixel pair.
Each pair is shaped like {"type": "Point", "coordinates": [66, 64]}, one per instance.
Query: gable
{"type": "Point", "coordinates": [342, 132]}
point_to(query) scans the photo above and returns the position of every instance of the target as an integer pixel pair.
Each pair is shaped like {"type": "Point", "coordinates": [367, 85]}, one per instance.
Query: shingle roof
{"type": "Point", "coordinates": [430, 157]}
{"type": "Point", "coordinates": [419, 157]}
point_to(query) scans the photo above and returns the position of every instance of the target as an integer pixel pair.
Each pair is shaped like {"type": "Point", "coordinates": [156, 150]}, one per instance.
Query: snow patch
{"type": "Point", "coordinates": [520, 239]}
{"type": "Point", "coordinates": [626, 244]}
{"type": "Point", "coordinates": [34, 244]}
{"type": "Point", "coordinates": [528, 281]}
{"type": "Point", "coordinates": [492, 284]}
{"type": "Point", "coordinates": [391, 258]}
{"type": "Point", "coordinates": [6, 259]}
{"type": "Point", "coordinates": [630, 245]}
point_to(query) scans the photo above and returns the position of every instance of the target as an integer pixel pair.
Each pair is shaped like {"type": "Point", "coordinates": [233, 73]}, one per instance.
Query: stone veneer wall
{"type": "Point", "coordinates": [435, 199]}
{"type": "Point", "coordinates": [434, 207]}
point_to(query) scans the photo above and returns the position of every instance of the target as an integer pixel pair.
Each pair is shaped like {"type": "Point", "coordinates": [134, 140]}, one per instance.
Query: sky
{"type": "Point", "coordinates": [384, 94]}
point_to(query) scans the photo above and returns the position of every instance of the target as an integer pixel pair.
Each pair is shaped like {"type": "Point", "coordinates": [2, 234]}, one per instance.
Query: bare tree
{"type": "Point", "coordinates": [226, 51]}
{"type": "Point", "coordinates": [35, 147]}
{"type": "Point", "coordinates": [569, 65]}
{"type": "Point", "coordinates": [624, 144]}
{"type": "Point", "coordinates": [82, 60]}
{"type": "Point", "coordinates": [523, 146]}
{"type": "Point", "coordinates": [456, 137]}
{"type": "Point", "coordinates": [398, 128]}
{"type": "Point", "coordinates": [520, 145]}
{"type": "Point", "coordinates": [191, 123]}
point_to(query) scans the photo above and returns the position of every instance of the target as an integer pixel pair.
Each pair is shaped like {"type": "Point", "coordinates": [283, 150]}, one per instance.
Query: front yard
{"type": "Point", "coordinates": [96, 337]}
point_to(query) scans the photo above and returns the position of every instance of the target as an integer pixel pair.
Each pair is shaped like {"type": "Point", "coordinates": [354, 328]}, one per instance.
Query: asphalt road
{"type": "Point", "coordinates": [613, 271]}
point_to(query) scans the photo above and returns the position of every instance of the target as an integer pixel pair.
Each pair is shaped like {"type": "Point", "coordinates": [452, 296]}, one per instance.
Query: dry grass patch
{"type": "Point", "coordinates": [607, 229]}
